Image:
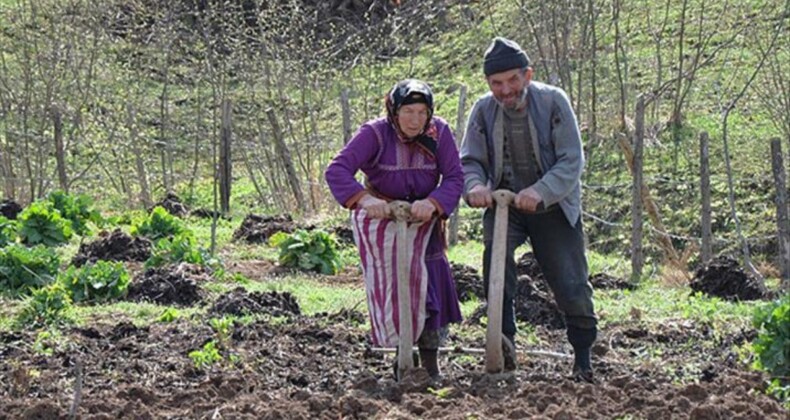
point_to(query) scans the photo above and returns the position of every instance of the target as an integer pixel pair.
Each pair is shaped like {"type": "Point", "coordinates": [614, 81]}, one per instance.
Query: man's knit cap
{"type": "Point", "coordinates": [502, 55]}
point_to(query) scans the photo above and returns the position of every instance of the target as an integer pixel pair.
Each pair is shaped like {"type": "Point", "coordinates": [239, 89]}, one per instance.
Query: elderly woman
{"type": "Point", "coordinates": [410, 155]}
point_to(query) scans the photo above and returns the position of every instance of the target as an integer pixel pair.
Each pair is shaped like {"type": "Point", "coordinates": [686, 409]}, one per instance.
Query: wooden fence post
{"type": "Point", "coordinates": [60, 153]}
{"type": "Point", "coordinates": [783, 229]}
{"type": "Point", "coordinates": [225, 169]}
{"type": "Point", "coordinates": [285, 156]}
{"type": "Point", "coordinates": [704, 180]}
{"type": "Point", "coordinates": [459, 135]}
{"type": "Point", "coordinates": [637, 259]}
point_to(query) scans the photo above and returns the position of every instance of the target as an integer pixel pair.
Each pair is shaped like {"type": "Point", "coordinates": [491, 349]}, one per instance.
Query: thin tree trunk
{"type": "Point", "coordinates": [142, 177]}
{"type": "Point", "coordinates": [225, 169]}
{"type": "Point", "coordinates": [285, 156]}
{"type": "Point", "coordinates": [783, 229]}
{"type": "Point", "coordinates": [60, 154]}
{"type": "Point", "coordinates": [459, 135]}
{"type": "Point", "coordinates": [707, 230]}
{"type": "Point", "coordinates": [637, 260]}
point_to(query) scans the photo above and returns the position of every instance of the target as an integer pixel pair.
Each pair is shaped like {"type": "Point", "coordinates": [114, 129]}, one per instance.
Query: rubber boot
{"type": "Point", "coordinates": [582, 339]}
{"type": "Point", "coordinates": [509, 353]}
{"type": "Point", "coordinates": [430, 361]}
{"type": "Point", "coordinates": [415, 360]}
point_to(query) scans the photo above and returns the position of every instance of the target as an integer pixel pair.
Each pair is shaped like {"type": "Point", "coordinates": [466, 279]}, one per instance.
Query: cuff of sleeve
{"type": "Point", "coordinates": [470, 183]}
{"type": "Point", "coordinates": [545, 193]}
{"type": "Point", "coordinates": [352, 202]}
{"type": "Point", "coordinates": [439, 209]}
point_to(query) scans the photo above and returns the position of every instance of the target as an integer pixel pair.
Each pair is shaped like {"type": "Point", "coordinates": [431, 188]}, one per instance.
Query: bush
{"type": "Point", "coordinates": [41, 223]}
{"type": "Point", "coordinates": [8, 231]}
{"type": "Point", "coordinates": [48, 305]}
{"type": "Point", "coordinates": [97, 282]}
{"type": "Point", "coordinates": [159, 224]}
{"type": "Point", "coordinates": [313, 250]}
{"type": "Point", "coordinates": [76, 208]}
{"type": "Point", "coordinates": [23, 269]}
{"type": "Point", "coordinates": [772, 345]}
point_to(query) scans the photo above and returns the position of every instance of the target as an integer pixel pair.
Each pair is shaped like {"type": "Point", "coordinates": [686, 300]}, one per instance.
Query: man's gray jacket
{"type": "Point", "coordinates": [555, 139]}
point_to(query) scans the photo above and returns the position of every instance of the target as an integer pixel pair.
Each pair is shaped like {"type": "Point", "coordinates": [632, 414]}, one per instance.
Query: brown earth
{"type": "Point", "coordinates": [723, 277]}
{"type": "Point", "coordinates": [317, 367]}
{"type": "Point", "coordinates": [10, 209]}
{"type": "Point", "coordinates": [258, 229]}
{"type": "Point", "coordinates": [169, 285]}
{"type": "Point", "coordinates": [115, 246]}
{"type": "Point", "coordinates": [240, 302]}
{"type": "Point", "coordinates": [173, 204]}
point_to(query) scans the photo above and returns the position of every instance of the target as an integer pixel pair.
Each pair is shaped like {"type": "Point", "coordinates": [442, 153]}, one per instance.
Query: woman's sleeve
{"type": "Point", "coordinates": [447, 194]}
{"type": "Point", "coordinates": [359, 153]}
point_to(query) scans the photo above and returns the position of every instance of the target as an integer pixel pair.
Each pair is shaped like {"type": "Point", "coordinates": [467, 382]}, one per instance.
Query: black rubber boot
{"type": "Point", "coordinates": [414, 359]}
{"type": "Point", "coordinates": [582, 339]}
{"type": "Point", "coordinates": [430, 361]}
{"type": "Point", "coordinates": [509, 353]}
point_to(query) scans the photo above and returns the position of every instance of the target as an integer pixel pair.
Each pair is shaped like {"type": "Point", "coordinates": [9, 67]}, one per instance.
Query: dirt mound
{"type": "Point", "coordinates": [468, 282]}
{"type": "Point", "coordinates": [535, 304]}
{"type": "Point", "coordinates": [724, 278]}
{"type": "Point", "coordinates": [344, 234]}
{"type": "Point", "coordinates": [345, 315]}
{"type": "Point", "coordinates": [115, 246]}
{"type": "Point", "coordinates": [608, 282]}
{"type": "Point", "coordinates": [10, 209]}
{"type": "Point", "coordinates": [240, 302]}
{"type": "Point", "coordinates": [258, 229]}
{"type": "Point", "coordinates": [173, 204]}
{"type": "Point", "coordinates": [528, 265]}
{"type": "Point", "coordinates": [204, 213]}
{"type": "Point", "coordinates": [169, 285]}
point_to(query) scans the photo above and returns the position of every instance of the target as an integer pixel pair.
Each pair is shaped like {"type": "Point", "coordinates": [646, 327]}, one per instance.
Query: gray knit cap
{"type": "Point", "coordinates": [504, 54]}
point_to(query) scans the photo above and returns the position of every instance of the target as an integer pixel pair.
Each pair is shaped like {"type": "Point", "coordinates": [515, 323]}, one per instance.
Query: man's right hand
{"type": "Point", "coordinates": [376, 208]}
{"type": "Point", "coordinates": [480, 196]}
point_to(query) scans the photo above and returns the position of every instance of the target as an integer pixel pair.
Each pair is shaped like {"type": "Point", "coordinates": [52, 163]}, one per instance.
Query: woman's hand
{"type": "Point", "coordinates": [423, 210]}
{"type": "Point", "coordinates": [376, 208]}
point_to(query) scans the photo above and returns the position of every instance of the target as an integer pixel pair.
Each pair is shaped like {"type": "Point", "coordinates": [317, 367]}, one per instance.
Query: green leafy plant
{"type": "Point", "coordinates": [23, 269]}
{"type": "Point", "coordinates": [182, 248]}
{"type": "Point", "coordinates": [46, 306]}
{"type": "Point", "coordinates": [169, 315]}
{"type": "Point", "coordinates": [98, 282]}
{"type": "Point", "coordinates": [314, 250]}
{"type": "Point", "coordinates": [47, 341]}
{"type": "Point", "coordinates": [77, 209]}
{"type": "Point", "coordinates": [41, 223]}
{"type": "Point", "coordinates": [8, 231]}
{"type": "Point", "coordinates": [772, 345]}
{"type": "Point", "coordinates": [159, 224]}
{"type": "Point", "coordinates": [223, 327]}
{"type": "Point", "coordinates": [206, 357]}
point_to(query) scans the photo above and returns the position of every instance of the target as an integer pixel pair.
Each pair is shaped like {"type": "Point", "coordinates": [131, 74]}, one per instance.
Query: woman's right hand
{"type": "Point", "coordinates": [376, 208]}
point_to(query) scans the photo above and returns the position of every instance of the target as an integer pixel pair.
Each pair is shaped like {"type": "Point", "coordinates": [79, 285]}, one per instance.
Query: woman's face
{"type": "Point", "coordinates": [412, 119]}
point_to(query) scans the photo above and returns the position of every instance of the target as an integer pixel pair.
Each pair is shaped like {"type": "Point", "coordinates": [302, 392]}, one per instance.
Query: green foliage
{"type": "Point", "coordinates": [313, 250]}
{"type": "Point", "coordinates": [223, 327]}
{"type": "Point", "coordinates": [98, 282]}
{"type": "Point", "coordinates": [206, 357]}
{"type": "Point", "coordinates": [77, 209]}
{"type": "Point", "coordinates": [47, 341]}
{"type": "Point", "coordinates": [41, 223]}
{"type": "Point", "coordinates": [169, 315]}
{"type": "Point", "coordinates": [25, 269]}
{"type": "Point", "coordinates": [48, 305]}
{"type": "Point", "coordinates": [772, 345]}
{"type": "Point", "coordinates": [159, 224]}
{"type": "Point", "coordinates": [8, 231]}
{"type": "Point", "coordinates": [182, 248]}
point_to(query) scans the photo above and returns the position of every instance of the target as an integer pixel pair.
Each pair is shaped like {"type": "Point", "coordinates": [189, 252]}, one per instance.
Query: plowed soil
{"type": "Point", "coordinates": [314, 367]}
{"type": "Point", "coordinates": [173, 204]}
{"type": "Point", "coordinates": [723, 277]}
{"type": "Point", "coordinates": [115, 246]}
{"type": "Point", "coordinates": [258, 229]}
{"type": "Point", "coordinates": [169, 285]}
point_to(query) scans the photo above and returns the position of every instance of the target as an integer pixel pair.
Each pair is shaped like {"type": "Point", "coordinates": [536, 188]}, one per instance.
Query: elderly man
{"type": "Point", "coordinates": [523, 136]}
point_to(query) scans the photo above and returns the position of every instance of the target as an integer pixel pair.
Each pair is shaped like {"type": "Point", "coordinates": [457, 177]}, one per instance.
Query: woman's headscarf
{"type": "Point", "coordinates": [411, 91]}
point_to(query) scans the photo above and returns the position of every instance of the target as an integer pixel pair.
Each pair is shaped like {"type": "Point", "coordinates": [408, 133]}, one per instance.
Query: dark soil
{"type": "Point", "coordinates": [240, 302]}
{"type": "Point", "coordinates": [535, 304]}
{"type": "Point", "coordinates": [115, 246]}
{"type": "Point", "coordinates": [10, 209]}
{"type": "Point", "coordinates": [607, 282]}
{"type": "Point", "coordinates": [169, 285]}
{"type": "Point", "coordinates": [173, 204]}
{"type": "Point", "coordinates": [468, 282]}
{"type": "Point", "coordinates": [258, 229]}
{"type": "Point", "coordinates": [723, 277]}
{"type": "Point", "coordinates": [311, 368]}
{"type": "Point", "coordinates": [344, 234]}
{"type": "Point", "coordinates": [208, 214]}
{"type": "Point", "coordinates": [528, 265]}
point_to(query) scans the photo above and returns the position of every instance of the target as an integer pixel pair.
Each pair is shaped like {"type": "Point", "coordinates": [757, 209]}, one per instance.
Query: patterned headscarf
{"type": "Point", "coordinates": [407, 92]}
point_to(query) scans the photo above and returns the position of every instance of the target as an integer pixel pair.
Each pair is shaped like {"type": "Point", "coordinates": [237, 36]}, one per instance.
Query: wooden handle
{"type": "Point", "coordinates": [401, 213]}
{"type": "Point", "coordinates": [495, 362]}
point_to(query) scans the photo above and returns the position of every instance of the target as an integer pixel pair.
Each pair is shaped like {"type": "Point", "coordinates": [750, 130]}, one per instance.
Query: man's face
{"type": "Point", "coordinates": [510, 87]}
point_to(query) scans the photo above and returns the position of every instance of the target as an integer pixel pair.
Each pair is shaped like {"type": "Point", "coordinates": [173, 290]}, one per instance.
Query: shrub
{"type": "Point", "coordinates": [25, 269]}
{"type": "Point", "coordinates": [8, 231]}
{"type": "Point", "coordinates": [313, 250]}
{"type": "Point", "coordinates": [41, 223]}
{"type": "Point", "coordinates": [48, 305]}
{"type": "Point", "coordinates": [772, 345]}
{"type": "Point", "coordinates": [182, 248]}
{"type": "Point", "coordinates": [159, 224]}
{"type": "Point", "coordinates": [75, 208]}
{"type": "Point", "coordinates": [98, 282]}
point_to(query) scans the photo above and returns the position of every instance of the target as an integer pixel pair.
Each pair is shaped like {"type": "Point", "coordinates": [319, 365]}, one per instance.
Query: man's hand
{"type": "Point", "coordinates": [527, 200]}
{"type": "Point", "coordinates": [376, 208]}
{"type": "Point", "coordinates": [423, 210]}
{"type": "Point", "coordinates": [480, 196]}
